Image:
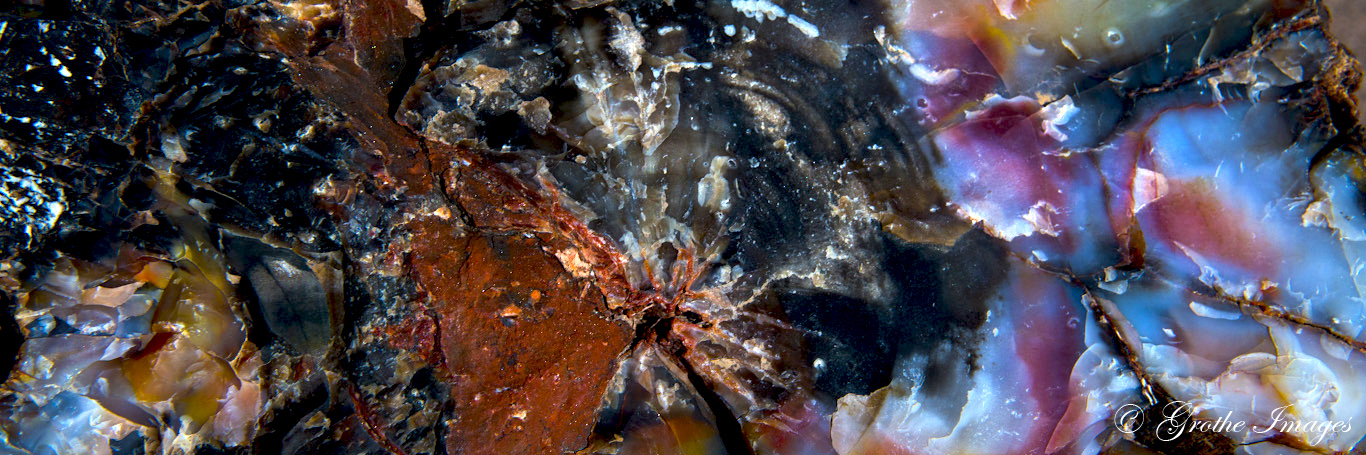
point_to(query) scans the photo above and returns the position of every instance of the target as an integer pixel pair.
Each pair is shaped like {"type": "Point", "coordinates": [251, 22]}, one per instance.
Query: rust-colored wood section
{"type": "Point", "coordinates": [527, 347]}
{"type": "Point", "coordinates": [528, 351]}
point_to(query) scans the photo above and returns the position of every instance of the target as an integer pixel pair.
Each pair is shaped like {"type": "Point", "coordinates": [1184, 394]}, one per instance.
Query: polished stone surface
{"type": "Point", "coordinates": [745, 226]}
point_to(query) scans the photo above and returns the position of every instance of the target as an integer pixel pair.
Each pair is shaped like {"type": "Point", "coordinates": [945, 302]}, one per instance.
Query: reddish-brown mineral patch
{"type": "Point", "coordinates": [529, 348]}
{"type": "Point", "coordinates": [529, 351]}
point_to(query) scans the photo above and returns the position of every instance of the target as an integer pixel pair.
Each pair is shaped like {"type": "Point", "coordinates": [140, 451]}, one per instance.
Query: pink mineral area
{"type": "Point", "coordinates": [799, 427]}
{"type": "Point", "coordinates": [1003, 168]}
{"type": "Point", "coordinates": [1019, 393]}
{"type": "Point", "coordinates": [1215, 192]}
{"type": "Point", "coordinates": [1220, 193]}
{"type": "Point", "coordinates": [998, 170]}
{"type": "Point", "coordinates": [1047, 45]}
{"type": "Point", "coordinates": [942, 76]}
{"type": "Point", "coordinates": [1049, 340]}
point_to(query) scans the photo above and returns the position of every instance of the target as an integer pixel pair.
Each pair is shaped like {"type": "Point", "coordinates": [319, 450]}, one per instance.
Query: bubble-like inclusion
{"type": "Point", "coordinates": [750, 226]}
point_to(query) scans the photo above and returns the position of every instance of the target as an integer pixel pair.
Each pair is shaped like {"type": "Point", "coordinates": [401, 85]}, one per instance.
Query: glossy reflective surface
{"type": "Point", "coordinates": [747, 226]}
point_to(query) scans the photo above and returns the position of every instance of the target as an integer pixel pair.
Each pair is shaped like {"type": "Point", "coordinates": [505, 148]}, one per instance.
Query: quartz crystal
{"type": "Point", "coordinates": [793, 227]}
